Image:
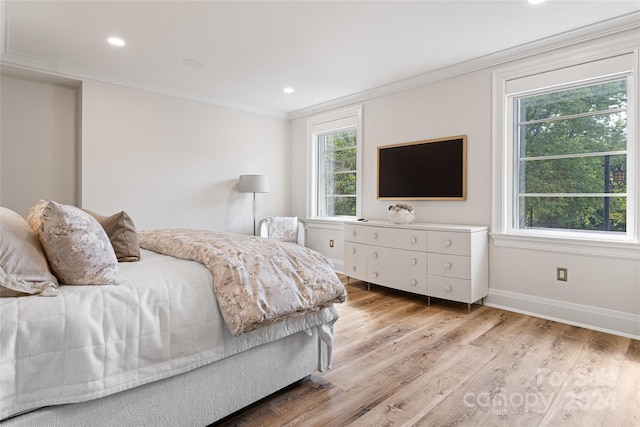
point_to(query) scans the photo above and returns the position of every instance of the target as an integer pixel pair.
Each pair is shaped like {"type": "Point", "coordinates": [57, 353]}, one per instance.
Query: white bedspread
{"type": "Point", "coordinates": [92, 341]}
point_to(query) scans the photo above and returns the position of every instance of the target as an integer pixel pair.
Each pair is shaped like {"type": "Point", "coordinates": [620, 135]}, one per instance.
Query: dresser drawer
{"type": "Point", "coordinates": [396, 278]}
{"type": "Point", "coordinates": [355, 268]}
{"type": "Point", "coordinates": [397, 258]}
{"type": "Point", "coordinates": [449, 288]}
{"type": "Point", "coordinates": [415, 240]}
{"type": "Point", "coordinates": [449, 265]}
{"type": "Point", "coordinates": [447, 242]}
{"type": "Point", "coordinates": [355, 233]}
{"type": "Point", "coordinates": [355, 251]}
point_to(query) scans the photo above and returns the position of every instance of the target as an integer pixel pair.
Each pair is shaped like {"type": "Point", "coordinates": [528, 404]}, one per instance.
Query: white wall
{"type": "Point", "coordinates": [38, 142]}
{"type": "Point", "coordinates": [602, 292]}
{"type": "Point", "coordinates": [172, 162]}
{"type": "Point", "coordinates": [451, 107]}
{"type": "Point", "coordinates": [447, 108]}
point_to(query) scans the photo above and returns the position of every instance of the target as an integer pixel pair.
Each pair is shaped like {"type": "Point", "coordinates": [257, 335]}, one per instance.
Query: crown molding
{"type": "Point", "coordinates": [605, 28]}
{"type": "Point", "coordinates": [69, 72]}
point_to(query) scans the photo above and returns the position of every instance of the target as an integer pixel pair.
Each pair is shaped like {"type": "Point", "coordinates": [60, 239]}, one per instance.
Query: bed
{"type": "Point", "coordinates": [160, 348]}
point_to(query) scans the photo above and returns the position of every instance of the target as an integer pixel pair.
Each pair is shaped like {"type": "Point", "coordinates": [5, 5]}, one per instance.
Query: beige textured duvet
{"type": "Point", "coordinates": [256, 281]}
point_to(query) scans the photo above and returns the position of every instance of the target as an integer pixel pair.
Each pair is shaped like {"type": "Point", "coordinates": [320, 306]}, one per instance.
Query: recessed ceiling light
{"type": "Point", "coordinates": [116, 41]}
{"type": "Point", "coordinates": [288, 90]}
{"type": "Point", "coordinates": [536, 1]}
{"type": "Point", "coordinates": [194, 63]}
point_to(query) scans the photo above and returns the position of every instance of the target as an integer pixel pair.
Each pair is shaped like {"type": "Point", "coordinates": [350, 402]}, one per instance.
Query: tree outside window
{"type": "Point", "coordinates": [337, 173]}
{"type": "Point", "coordinates": [571, 158]}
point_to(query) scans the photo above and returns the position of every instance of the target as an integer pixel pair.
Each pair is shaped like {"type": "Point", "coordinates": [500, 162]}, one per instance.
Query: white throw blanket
{"type": "Point", "coordinates": [256, 281]}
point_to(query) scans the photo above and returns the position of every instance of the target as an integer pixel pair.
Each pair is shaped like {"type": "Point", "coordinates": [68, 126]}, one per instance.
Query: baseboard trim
{"type": "Point", "coordinates": [596, 318]}
{"type": "Point", "coordinates": [338, 265]}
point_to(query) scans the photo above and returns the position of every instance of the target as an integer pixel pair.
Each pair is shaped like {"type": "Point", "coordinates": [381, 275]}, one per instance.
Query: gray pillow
{"type": "Point", "coordinates": [77, 246]}
{"type": "Point", "coordinates": [122, 233]}
{"type": "Point", "coordinates": [23, 266]}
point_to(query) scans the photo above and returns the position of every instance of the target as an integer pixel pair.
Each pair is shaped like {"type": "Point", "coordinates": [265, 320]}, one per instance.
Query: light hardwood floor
{"type": "Point", "coordinates": [399, 362]}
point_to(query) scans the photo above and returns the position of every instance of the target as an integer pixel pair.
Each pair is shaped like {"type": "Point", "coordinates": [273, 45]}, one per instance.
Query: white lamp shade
{"type": "Point", "coordinates": [253, 184]}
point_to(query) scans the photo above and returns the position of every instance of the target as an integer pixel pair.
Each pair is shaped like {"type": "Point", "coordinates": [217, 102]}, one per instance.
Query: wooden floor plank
{"type": "Point", "coordinates": [347, 350]}
{"type": "Point", "coordinates": [536, 380]}
{"type": "Point", "coordinates": [494, 393]}
{"type": "Point", "coordinates": [622, 404]}
{"type": "Point", "coordinates": [314, 392]}
{"type": "Point", "coordinates": [400, 362]}
{"type": "Point", "coordinates": [435, 384]}
{"type": "Point", "coordinates": [363, 366]}
{"type": "Point", "coordinates": [590, 380]}
{"type": "Point", "coordinates": [633, 353]}
{"type": "Point", "coordinates": [381, 315]}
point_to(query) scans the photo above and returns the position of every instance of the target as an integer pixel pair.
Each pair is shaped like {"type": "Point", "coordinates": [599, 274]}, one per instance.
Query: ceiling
{"type": "Point", "coordinates": [251, 50]}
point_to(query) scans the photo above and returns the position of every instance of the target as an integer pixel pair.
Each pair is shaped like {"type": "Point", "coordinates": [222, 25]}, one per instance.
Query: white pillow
{"type": "Point", "coordinates": [23, 265]}
{"type": "Point", "coordinates": [77, 246]}
{"type": "Point", "coordinates": [284, 228]}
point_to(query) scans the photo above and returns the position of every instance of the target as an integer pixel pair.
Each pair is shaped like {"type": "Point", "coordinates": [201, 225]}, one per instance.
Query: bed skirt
{"type": "Point", "coordinates": [199, 397]}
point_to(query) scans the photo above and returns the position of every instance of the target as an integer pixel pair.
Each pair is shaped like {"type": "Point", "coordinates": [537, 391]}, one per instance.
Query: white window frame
{"type": "Point", "coordinates": [566, 69]}
{"type": "Point", "coordinates": [321, 124]}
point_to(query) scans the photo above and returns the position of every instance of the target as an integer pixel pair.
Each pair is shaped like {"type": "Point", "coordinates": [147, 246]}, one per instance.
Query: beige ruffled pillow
{"type": "Point", "coordinates": [77, 246]}
{"type": "Point", "coordinates": [35, 214]}
{"type": "Point", "coordinates": [23, 266]}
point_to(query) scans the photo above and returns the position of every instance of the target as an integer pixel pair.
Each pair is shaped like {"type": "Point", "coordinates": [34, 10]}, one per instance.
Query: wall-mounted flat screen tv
{"type": "Point", "coordinates": [434, 169]}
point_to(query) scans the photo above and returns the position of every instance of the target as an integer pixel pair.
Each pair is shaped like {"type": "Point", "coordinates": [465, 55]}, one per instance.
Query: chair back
{"type": "Point", "coordinates": [290, 229]}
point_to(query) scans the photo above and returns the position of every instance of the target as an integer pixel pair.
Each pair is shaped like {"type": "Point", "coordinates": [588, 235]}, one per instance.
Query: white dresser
{"type": "Point", "coordinates": [439, 260]}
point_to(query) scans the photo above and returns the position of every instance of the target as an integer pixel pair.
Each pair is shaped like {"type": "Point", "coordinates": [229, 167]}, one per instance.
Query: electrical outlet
{"type": "Point", "coordinates": [331, 243]}
{"type": "Point", "coordinates": [561, 274]}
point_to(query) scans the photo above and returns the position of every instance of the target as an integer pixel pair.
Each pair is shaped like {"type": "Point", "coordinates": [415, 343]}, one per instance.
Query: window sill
{"type": "Point", "coordinates": [334, 223]}
{"type": "Point", "coordinates": [609, 249]}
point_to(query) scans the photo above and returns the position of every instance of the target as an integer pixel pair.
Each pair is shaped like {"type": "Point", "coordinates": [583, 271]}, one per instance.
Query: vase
{"type": "Point", "coordinates": [402, 216]}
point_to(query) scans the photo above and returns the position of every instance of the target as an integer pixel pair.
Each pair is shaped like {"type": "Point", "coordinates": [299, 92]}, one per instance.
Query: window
{"type": "Point", "coordinates": [337, 173]}
{"type": "Point", "coordinates": [571, 158]}
{"type": "Point", "coordinates": [565, 156]}
{"type": "Point", "coordinates": [334, 164]}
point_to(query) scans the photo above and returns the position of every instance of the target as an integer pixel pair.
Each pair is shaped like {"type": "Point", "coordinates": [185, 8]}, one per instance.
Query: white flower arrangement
{"type": "Point", "coordinates": [400, 206]}
{"type": "Point", "coordinates": [401, 213]}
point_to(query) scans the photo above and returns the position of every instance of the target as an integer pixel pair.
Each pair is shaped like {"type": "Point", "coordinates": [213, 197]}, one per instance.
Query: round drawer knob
{"type": "Point", "coordinates": [414, 261]}
{"type": "Point", "coordinates": [353, 250]}
{"type": "Point", "coordinates": [375, 274]}
{"type": "Point", "coordinates": [447, 266]}
{"type": "Point", "coordinates": [375, 254]}
{"type": "Point", "coordinates": [414, 282]}
{"type": "Point", "coordinates": [414, 240]}
{"type": "Point", "coordinates": [353, 232]}
{"type": "Point", "coordinates": [447, 243]}
{"type": "Point", "coordinates": [353, 268]}
{"type": "Point", "coordinates": [375, 236]}
{"type": "Point", "coordinates": [448, 288]}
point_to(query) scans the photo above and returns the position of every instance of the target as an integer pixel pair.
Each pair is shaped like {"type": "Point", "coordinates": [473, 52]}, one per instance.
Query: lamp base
{"type": "Point", "coordinates": [254, 211]}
